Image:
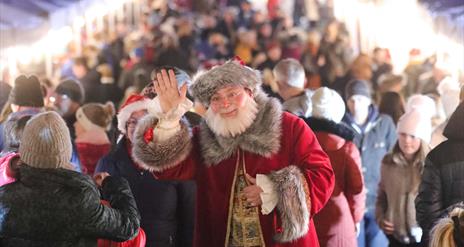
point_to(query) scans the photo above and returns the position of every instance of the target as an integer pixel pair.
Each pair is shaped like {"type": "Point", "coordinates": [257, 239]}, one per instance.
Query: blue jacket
{"type": "Point", "coordinates": [166, 207]}
{"type": "Point", "coordinates": [374, 139]}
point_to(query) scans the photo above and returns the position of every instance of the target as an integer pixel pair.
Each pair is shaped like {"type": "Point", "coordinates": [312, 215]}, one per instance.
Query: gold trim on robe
{"type": "Point", "coordinates": [243, 226]}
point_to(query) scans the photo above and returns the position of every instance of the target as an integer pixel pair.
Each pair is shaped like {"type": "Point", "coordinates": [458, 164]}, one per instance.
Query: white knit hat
{"type": "Point", "coordinates": [134, 103]}
{"type": "Point", "coordinates": [328, 104]}
{"type": "Point", "coordinates": [415, 123]}
{"type": "Point", "coordinates": [46, 142]}
{"type": "Point", "coordinates": [423, 103]}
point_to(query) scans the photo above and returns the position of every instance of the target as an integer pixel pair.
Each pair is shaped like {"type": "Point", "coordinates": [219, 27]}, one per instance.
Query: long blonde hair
{"type": "Point", "coordinates": [419, 157]}
{"type": "Point", "coordinates": [444, 232]}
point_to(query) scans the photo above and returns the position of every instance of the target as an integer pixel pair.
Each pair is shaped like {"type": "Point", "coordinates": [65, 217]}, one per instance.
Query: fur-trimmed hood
{"type": "Point", "coordinates": [262, 137]}
{"type": "Point", "coordinates": [339, 129]}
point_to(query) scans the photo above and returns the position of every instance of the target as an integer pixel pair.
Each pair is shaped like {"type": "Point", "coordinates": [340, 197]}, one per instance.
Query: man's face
{"type": "Point", "coordinates": [227, 101]}
{"type": "Point", "coordinates": [62, 104]}
{"type": "Point", "coordinates": [358, 105]}
{"type": "Point", "coordinates": [232, 110]}
{"type": "Point", "coordinates": [132, 123]}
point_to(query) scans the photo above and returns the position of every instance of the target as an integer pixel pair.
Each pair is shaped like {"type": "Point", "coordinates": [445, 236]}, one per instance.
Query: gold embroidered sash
{"type": "Point", "coordinates": [244, 229]}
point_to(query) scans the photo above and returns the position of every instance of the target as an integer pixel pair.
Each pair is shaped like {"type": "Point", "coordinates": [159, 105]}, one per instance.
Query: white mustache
{"type": "Point", "coordinates": [226, 110]}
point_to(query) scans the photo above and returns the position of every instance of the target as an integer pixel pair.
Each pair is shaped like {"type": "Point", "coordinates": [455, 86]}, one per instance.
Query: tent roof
{"type": "Point", "coordinates": [448, 16]}
{"type": "Point", "coordinates": [25, 21]}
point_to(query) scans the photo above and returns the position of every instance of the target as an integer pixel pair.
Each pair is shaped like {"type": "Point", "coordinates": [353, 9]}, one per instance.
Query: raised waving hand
{"type": "Point", "coordinates": [167, 90]}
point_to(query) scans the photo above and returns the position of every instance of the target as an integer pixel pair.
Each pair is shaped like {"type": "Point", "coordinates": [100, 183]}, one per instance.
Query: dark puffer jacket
{"type": "Point", "coordinates": [58, 207]}
{"type": "Point", "coordinates": [443, 178]}
{"type": "Point", "coordinates": [166, 207]}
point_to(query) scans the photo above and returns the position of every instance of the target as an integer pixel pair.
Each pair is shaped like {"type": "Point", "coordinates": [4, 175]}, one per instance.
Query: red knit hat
{"type": "Point", "coordinates": [134, 103]}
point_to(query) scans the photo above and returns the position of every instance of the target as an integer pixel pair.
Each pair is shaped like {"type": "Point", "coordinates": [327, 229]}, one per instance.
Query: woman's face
{"type": "Point", "coordinates": [409, 145]}
{"type": "Point", "coordinates": [79, 130]}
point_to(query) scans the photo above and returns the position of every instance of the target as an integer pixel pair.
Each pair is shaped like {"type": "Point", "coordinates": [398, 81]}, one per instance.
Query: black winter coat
{"type": "Point", "coordinates": [58, 207]}
{"type": "Point", "coordinates": [167, 208]}
{"type": "Point", "coordinates": [443, 177]}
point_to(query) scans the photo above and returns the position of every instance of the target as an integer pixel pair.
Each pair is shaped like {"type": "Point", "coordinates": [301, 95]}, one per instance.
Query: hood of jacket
{"type": "Point", "coordinates": [331, 135]}
{"type": "Point", "coordinates": [300, 105]}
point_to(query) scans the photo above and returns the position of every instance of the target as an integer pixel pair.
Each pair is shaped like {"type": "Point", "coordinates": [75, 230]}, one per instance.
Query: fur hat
{"type": "Point", "coordinates": [328, 104]}
{"type": "Point", "coordinates": [233, 72]}
{"type": "Point", "coordinates": [46, 142]}
{"type": "Point", "coordinates": [423, 103]}
{"type": "Point", "coordinates": [96, 116]}
{"type": "Point", "coordinates": [72, 89]}
{"type": "Point", "coordinates": [27, 92]}
{"type": "Point", "coordinates": [134, 103]}
{"type": "Point", "coordinates": [357, 87]}
{"type": "Point", "coordinates": [415, 123]}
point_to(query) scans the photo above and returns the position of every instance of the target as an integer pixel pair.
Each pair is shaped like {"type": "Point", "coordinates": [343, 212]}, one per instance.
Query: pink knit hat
{"type": "Point", "coordinates": [416, 124]}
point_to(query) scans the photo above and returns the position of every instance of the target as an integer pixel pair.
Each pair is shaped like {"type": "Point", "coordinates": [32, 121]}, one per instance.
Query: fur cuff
{"type": "Point", "coordinates": [294, 203]}
{"type": "Point", "coordinates": [159, 156]}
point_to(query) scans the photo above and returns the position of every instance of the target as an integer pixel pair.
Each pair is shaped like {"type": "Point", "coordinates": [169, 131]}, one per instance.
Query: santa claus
{"type": "Point", "coordinates": [260, 172]}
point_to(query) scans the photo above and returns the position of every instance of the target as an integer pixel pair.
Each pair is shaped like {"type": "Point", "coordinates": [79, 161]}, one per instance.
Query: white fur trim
{"type": "Point", "coordinates": [155, 107]}
{"type": "Point", "coordinates": [173, 115]}
{"type": "Point", "coordinates": [85, 122]}
{"type": "Point", "coordinates": [125, 113]}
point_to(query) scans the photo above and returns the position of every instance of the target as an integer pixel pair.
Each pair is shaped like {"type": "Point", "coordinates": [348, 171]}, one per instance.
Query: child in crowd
{"type": "Point", "coordinates": [92, 142]}
{"type": "Point", "coordinates": [400, 178]}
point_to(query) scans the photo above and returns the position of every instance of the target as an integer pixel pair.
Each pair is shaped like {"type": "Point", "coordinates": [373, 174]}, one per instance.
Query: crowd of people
{"type": "Point", "coordinates": [232, 128]}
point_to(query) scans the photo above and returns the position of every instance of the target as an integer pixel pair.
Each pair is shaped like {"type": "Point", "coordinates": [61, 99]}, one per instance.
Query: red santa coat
{"type": "Point", "coordinates": [277, 144]}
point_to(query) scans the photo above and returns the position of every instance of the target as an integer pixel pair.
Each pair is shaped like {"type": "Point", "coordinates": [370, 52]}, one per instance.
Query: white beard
{"type": "Point", "coordinates": [230, 127]}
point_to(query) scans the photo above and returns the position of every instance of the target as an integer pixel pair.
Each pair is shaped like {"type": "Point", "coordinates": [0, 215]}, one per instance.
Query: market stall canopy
{"type": "Point", "coordinates": [25, 21]}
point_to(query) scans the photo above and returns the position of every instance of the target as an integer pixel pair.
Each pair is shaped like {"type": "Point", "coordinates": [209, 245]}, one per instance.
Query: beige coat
{"type": "Point", "coordinates": [398, 188]}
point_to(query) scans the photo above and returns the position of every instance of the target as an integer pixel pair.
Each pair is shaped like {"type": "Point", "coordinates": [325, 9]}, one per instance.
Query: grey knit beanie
{"type": "Point", "coordinates": [230, 73]}
{"type": "Point", "coordinates": [357, 87]}
{"type": "Point", "coordinates": [46, 142]}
